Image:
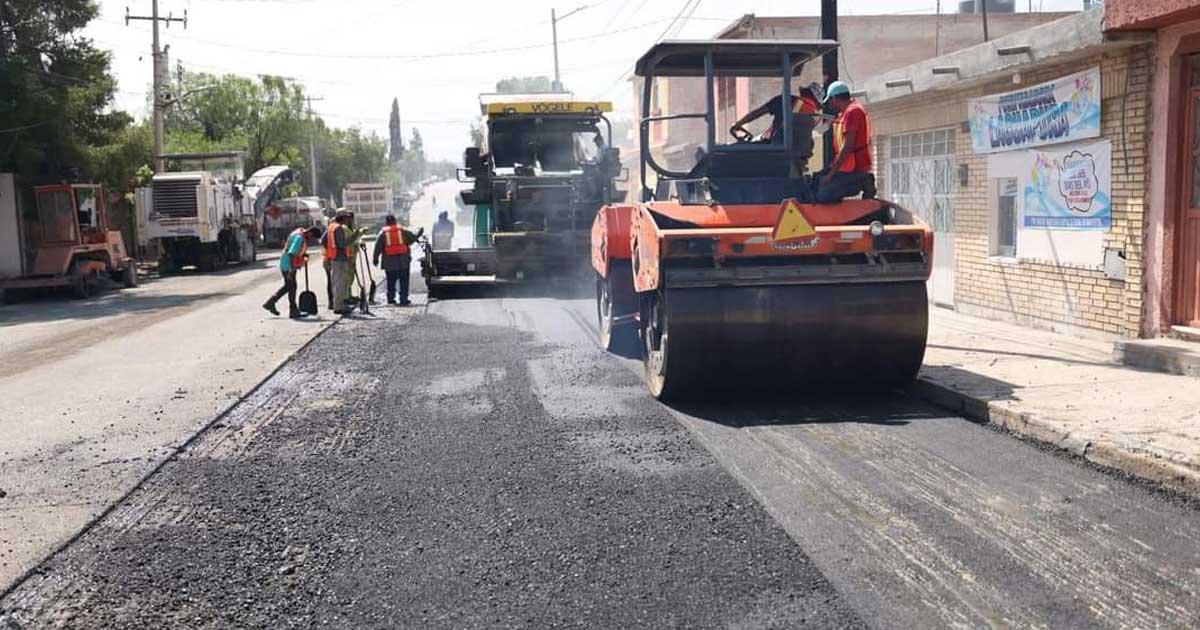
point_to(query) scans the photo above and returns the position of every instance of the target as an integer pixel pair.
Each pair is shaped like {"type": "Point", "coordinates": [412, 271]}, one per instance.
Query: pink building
{"type": "Point", "coordinates": [1172, 222]}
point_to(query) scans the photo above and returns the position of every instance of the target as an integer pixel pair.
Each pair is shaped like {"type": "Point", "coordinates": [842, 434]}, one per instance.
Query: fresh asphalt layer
{"type": "Point", "coordinates": [419, 474]}
{"type": "Point", "coordinates": [482, 464]}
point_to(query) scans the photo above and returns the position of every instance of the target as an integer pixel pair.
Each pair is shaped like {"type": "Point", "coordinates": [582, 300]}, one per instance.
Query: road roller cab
{"type": "Point", "coordinates": [726, 274]}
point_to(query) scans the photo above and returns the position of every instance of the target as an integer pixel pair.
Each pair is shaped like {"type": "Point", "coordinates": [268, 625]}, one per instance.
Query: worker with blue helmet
{"type": "Point", "coordinates": [849, 173]}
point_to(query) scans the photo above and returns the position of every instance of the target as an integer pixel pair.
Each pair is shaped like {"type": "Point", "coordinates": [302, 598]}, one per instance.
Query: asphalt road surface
{"type": "Point", "coordinates": [480, 463]}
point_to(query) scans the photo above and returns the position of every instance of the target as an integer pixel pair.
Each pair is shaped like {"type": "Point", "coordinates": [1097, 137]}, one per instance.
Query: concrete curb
{"type": "Point", "coordinates": [1127, 460]}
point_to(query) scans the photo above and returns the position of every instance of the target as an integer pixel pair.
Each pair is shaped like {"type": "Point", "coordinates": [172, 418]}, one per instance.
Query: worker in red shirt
{"type": "Point", "coordinates": [850, 172]}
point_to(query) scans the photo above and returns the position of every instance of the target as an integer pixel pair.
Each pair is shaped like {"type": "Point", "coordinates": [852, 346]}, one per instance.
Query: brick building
{"type": "Point", "coordinates": [1005, 248]}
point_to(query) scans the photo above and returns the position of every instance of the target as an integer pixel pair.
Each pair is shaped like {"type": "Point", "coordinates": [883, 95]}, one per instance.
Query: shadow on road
{"type": "Point", "coordinates": [780, 409]}
{"type": "Point", "coordinates": [557, 290]}
{"type": "Point", "coordinates": [53, 309]}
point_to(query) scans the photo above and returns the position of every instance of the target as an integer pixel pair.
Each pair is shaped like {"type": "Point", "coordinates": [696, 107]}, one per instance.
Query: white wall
{"type": "Point", "coordinates": [10, 228]}
{"type": "Point", "coordinates": [1056, 247]}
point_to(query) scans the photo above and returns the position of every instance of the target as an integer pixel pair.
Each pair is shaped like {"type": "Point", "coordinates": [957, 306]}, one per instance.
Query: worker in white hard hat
{"type": "Point", "coordinates": [850, 172]}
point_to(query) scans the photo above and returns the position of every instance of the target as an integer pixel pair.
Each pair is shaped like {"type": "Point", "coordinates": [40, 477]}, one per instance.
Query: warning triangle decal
{"type": "Point", "coordinates": [792, 223]}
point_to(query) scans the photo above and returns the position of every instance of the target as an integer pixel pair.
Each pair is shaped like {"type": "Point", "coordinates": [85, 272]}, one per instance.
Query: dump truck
{"type": "Point", "coordinates": [67, 244]}
{"type": "Point", "coordinates": [546, 168]}
{"type": "Point", "coordinates": [370, 203]}
{"type": "Point", "coordinates": [724, 274]}
{"type": "Point", "coordinates": [197, 213]}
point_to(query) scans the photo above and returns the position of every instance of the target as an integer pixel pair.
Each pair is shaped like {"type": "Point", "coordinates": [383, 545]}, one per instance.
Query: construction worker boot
{"type": "Point", "coordinates": [869, 190]}
{"type": "Point", "coordinates": [271, 308]}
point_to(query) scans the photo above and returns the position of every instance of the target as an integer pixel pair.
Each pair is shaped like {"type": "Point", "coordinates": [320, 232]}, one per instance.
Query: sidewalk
{"type": "Point", "coordinates": [1067, 392]}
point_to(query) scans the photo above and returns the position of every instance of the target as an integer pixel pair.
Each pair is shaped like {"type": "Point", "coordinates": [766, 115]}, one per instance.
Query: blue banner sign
{"type": "Point", "coordinates": [1063, 110]}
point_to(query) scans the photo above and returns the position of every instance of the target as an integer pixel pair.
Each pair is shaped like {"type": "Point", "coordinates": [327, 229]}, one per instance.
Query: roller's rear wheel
{"type": "Point", "coordinates": [619, 337]}
{"type": "Point", "coordinates": [666, 372]}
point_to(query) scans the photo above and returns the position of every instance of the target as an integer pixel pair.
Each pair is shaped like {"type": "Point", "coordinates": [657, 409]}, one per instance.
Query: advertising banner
{"type": "Point", "coordinates": [1069, 188]}
{"type": "Point", "coordinates": [1063, 110]}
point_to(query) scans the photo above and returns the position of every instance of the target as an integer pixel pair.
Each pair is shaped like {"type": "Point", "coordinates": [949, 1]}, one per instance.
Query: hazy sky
{"type": "Point", "coordinates": [436, 56]}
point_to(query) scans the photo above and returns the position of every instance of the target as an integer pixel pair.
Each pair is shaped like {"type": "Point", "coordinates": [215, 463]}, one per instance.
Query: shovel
{"type": "Point", "coordinates": [363, 305]}
{"type": "Point", "coordinates": [367, 264]}
{"type": "Point", "coordinates": [308, 299]}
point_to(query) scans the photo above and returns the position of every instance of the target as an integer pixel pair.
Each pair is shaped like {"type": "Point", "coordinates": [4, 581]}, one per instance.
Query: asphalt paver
{"type": "Point", "coordinates": [407, 470]}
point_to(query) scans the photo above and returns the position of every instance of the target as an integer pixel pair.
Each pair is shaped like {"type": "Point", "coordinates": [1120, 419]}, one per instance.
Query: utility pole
{"type": "Point", "coordinates": [937, 31]}
{"type": "Point", "coordinates": [159, 73]}
{"type": "Point", "coordinates": [554, 35]}
{"type": "Point", "coordinates": [829, 64]}
{"type": "Point", "coordinates": [983, 3]}
{"type": "Point", "coordinates": [554, 20]}
{"type": "Point", "coordinates": [312, 143]}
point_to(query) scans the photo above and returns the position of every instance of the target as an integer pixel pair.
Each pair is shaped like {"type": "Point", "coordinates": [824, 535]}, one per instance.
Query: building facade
{"type": "Point", "coordinates": [1028, 155]}
{"type": "Point", "coordinates": [1172, 220]}
{"type": "Point", "coordinates": [869, 45]}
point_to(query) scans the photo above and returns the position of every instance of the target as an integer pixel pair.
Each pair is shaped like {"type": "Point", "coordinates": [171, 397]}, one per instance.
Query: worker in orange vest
{"type": "Point", "coordinates": [295, 257]}
{"type": "Point", "coordinates": [337, 261]}
{"type": "Point", "coordinates": [850, 172]}
{"type": "Point", "coordinates": [805, 111]}
{"type": "Point", "coordinates": [394, 247]}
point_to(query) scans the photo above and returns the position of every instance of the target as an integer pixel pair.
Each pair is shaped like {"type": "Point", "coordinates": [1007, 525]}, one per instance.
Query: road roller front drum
{"type": "Point", "coordinates": [782, 339]}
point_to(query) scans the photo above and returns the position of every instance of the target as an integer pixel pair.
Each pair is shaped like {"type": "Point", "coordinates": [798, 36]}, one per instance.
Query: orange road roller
{"type": "Point", "coordinates": [725, 274]}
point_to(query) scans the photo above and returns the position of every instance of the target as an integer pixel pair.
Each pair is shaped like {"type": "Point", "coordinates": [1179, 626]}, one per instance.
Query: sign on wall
{"type": "Point", "coordinates": [1062, 110]}
{"type": "Point", "coordinates": [1069, 188]}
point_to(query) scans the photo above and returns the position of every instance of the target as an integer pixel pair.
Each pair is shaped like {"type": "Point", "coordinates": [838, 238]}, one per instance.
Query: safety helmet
{"type": "Point", "coordinates": [837, 88]}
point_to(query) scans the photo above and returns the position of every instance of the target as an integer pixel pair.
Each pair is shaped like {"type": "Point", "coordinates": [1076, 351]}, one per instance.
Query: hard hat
{"type": "Point", "coordinates": [816, 90]}
{"type": "Point", "coordinates": [837, 88]}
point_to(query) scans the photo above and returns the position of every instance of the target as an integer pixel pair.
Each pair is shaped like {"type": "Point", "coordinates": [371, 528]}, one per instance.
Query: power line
{"type": "Point", "coordinates": [633, 65]}
{"type": "Point", "coordinates": [417, 57]}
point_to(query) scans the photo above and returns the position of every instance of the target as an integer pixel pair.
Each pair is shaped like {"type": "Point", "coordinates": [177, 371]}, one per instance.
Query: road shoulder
{"type": "Point", "coordinates": [1067, 393]}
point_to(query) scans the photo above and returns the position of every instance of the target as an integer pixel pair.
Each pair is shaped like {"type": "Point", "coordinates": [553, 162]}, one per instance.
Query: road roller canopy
{"type": "Point", "coordinates": [732, 165]}
{"type": "Point", "coordinates": [733, 57]}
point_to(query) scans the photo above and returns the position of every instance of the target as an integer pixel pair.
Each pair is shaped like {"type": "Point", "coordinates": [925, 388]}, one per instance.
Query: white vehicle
{"type": "Point", "coordinates": [265, 190]}
{"type": "Point", "coordinates": [370, 203]}
{"type": "Point", "coordinates": [197, 215]}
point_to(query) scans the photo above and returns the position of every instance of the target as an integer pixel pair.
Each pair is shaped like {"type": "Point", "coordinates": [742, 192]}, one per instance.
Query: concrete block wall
{"type": "Point", "coordinates": [1064, 298]}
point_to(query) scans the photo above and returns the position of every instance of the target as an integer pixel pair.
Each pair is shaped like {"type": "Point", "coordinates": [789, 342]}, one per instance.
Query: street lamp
{"type": "Point", "coordinates": [557, 87]}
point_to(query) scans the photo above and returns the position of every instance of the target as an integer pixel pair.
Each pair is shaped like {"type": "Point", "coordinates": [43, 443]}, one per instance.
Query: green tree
{"type": "Point", "coordinates": [525, 85]}
{"type": "Point", "coordinates": [264, 117]}
{"type": "Point", "coordinates": [395, 134]}
{"type": "Point", "coordinates": [349, 155]}
{"type": "Point", "coordinates": [55, 91]}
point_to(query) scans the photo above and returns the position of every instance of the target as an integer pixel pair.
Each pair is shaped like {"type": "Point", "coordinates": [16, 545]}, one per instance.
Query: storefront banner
{"type": "Point", "coordinates": [1069, 188]}
{"type": "Point", "coordinates": [1063, 110]}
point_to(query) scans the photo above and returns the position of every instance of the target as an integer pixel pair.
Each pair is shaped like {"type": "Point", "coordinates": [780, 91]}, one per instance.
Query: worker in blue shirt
{"type": "Point", "coordinates": [294, 258]}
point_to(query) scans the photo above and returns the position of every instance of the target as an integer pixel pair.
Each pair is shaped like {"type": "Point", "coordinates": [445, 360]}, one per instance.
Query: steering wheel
{"type": "Point", "coordinates": [740, 134]}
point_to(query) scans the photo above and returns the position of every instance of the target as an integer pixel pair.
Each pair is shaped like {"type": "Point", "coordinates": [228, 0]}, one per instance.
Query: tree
{"type": "Point", "coordinates": [525, 85]}
{"type": "Point", "coordinates": [476, 136]}
{"type": "Point", "coordinates": [55, 91]}
{"type": "Point", "coordinates": [396, 137]}
{"type": "Point", "coordinates": [264, 117]}
{"type": "Point", "coordinates": [349, 155]}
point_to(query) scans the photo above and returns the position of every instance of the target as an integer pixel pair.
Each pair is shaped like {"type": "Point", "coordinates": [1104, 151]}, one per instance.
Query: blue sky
{"type": "Point", "coordinates": [436, 56]}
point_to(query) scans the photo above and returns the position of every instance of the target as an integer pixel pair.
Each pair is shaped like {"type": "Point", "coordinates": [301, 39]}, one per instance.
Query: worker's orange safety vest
{"type": "Point", "coordinates": [393, 241]}
{"type": "Point", "coordinates": [859, 155]}
{"type": "Point", "coordinates": [805, 105]}
{"type": "Point", "coordinates": [298, 257]}
{"type": "Point", "coordinates": [331, 242]}
{"type": "Point", "coordinates": [801, 105]}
